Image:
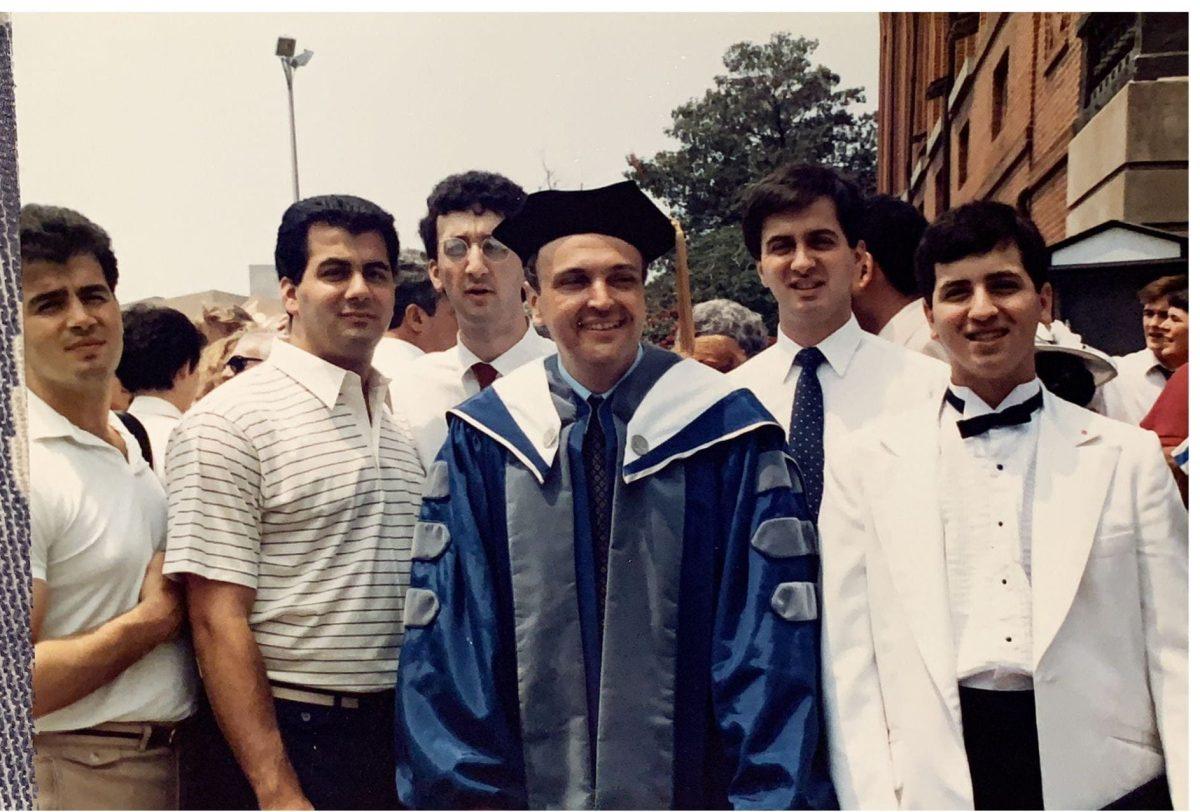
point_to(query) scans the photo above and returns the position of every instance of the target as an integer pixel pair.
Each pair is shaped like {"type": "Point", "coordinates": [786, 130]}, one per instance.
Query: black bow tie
{"type": "Point", "coordinates": [1012, 416]}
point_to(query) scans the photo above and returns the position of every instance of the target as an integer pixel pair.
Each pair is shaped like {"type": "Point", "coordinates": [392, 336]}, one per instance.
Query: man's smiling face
{"type": "Point", "coordinates": [985, 312]}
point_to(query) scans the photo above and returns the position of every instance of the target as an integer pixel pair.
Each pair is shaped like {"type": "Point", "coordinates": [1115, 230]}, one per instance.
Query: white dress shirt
{"type": "Point", "coordinates": [1129, 396]}
{"type": "Point", "coordinates": [393, 354]}
{"type": "Point", "coordinates": [909, 328]}
{"type": "Point", "coordinates": [438, 381]}
{"type": "Point", "coordinates": [158, 416]}
{"type": "Point", "coordinates": [985, 486]}
{"type": "Point", "coordinates": [865, 376]}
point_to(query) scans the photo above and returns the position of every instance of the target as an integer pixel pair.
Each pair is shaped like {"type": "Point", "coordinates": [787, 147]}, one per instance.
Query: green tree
{"type": "Point", "coordinates": [772, 106]}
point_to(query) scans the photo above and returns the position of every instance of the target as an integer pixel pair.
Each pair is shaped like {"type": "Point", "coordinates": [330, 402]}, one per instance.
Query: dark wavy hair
{"type": "Point", "coordinates": [159, 341]}
{"type": "Point", "coordinates": [473, 191]}
{"type": "Point", "coordinates": [976, 228]}
{"type": "Point", "coordinates": [55, 234]}
{"type": "Point", "coordinates": [412, 287]}
{"type": "Point", "coordinates": [797, 186]}
{"type": "Point", "coordinates": [354, 214]}
{"type": "Point", "coordinates": [892, 230]}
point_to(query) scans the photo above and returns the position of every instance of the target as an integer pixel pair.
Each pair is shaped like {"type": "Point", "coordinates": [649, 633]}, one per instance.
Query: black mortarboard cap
{"type": "Point", "coordinates": [621, 210]}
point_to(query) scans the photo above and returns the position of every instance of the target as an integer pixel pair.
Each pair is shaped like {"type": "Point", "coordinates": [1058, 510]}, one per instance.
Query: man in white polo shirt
{"type": "Point", "coordinates": [483, 280]}
{"type": "Point", "coordinates": [293, 497]}
{"type": "Point", "coordinates": [111, 676]}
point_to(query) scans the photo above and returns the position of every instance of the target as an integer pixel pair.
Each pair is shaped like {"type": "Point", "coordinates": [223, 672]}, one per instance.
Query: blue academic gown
{"type": "Point", "coordinates": [702, 689]}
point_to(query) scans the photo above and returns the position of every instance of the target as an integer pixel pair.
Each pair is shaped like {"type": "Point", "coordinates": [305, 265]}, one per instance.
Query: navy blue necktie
{"type": "Point", "coordinates": [600, 489]}
{"type": "Point", "coordinates": [806, 435]}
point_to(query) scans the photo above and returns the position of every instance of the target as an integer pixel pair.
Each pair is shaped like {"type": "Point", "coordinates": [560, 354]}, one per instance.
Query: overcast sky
{"type": "Point", "coordinates": [170, 130]}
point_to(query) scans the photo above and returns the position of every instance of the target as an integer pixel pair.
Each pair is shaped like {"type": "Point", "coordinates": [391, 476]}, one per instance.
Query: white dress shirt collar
{"type": "Point", "coordinates": [585, 393]}
{"type": "Point", "coordinates": [838, 348]}
{"type": "Point", "coordinates": [154, 405]}
{"type": "Point", "coordinates": [507, 361]}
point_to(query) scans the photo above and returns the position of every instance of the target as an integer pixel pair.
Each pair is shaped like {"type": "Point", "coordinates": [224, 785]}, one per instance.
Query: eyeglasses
{"type": "Point", "coordinates": [457, 248]}
{"type": "Point", "coordinates": [241, 363]}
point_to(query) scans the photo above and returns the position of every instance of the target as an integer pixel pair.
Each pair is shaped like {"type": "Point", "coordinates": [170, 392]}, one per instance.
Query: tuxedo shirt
{"type": "Point", "coordinates": [986, 498]}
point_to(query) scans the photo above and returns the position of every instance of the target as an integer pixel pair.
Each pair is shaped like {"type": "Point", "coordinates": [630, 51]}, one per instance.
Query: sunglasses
{"type": "Point", "coordinates": [241, 363]}
{"type": "Point", "coordinates": [457, 248]}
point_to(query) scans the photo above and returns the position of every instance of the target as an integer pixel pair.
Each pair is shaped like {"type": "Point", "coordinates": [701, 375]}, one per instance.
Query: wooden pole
{"type": "Point", "coordinates": [685, 328]}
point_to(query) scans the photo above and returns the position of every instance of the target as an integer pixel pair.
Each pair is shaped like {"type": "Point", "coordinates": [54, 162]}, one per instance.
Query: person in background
{"type": "Point", "coordinates": [613, 602]}
{"type": "Point", "coordinates": [885, 298]}
{"type": "Point", "coordinates": [727, 334]}
{"type": "Point", "coordinates": [1168, 419]}
{"type": "Point", "coordinates": [484, 283]}
{"type": "Point", "coordinates": [1004, 573]}
{"type": "Point", "coordinates": [422, 321]}
{"type": "Point", "coordinates": [1142, 375]}
{"type": "Point", "coordinates": [160, 366]}
{"type": "Point", "coordinates": [112, 678]}
{"type": "Point", "coordinates": [293, 496]}
{"type": "Point", "coordinates": [119, 397]}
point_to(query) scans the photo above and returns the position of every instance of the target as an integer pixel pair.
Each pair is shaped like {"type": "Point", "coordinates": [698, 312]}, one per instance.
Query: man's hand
{"type": "Point", "coordinates": [161, 600]}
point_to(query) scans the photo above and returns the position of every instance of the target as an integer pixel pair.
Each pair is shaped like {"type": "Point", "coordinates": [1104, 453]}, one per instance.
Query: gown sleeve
{"type": "Point", "coordinates": [457, 720]}
{"type": "Point", "coordinates": [765, 664]}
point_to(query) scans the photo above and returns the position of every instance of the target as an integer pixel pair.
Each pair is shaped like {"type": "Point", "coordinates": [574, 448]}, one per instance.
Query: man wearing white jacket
{"type": "Point", "coordinates": [1004, 574]}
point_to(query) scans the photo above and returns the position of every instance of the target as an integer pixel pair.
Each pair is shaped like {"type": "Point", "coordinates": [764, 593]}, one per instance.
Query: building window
{"type": "Point", "coordinates": [999, 94]}
{"type": "Point", "coordinates": [964, 145]}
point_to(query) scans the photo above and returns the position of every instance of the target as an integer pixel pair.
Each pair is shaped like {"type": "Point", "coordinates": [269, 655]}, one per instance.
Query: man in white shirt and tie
{"type": "Point", "coordinates": [998, 546]}
{"type": "Point", "coordinates": [825, 375]}
{"type": "Point", "coordinates": [484, 282]}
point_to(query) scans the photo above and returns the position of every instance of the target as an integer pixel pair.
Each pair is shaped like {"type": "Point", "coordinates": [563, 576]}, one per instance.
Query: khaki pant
{"type": "Point", "coordinates": [78, 771]}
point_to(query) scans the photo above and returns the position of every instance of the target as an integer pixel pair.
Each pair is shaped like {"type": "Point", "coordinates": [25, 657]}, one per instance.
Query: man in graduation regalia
{"type": "Point", "coordinates": [612, 601]}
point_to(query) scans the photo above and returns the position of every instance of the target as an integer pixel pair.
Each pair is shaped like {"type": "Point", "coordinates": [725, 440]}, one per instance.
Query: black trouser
{"type": "Point", "coordinates": [344, 757]}
{"type": "Point", "coordinates": [1000, 734]}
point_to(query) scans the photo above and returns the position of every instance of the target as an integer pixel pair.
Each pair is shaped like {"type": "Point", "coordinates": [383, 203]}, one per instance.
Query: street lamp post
{"type": "Point", "coordinates": [285, 49]}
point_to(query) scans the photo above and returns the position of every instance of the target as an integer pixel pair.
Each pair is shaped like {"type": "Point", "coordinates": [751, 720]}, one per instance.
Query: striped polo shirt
{"type": "Point", "coordinates": [280, 481]}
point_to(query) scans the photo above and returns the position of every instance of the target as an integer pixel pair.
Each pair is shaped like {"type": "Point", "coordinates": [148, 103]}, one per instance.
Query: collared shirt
{"type": "Point", "coordinates": [865, 376]}
{"type": "Point", "coordinates": [985, 486]}
{"type": "Point", "coordinates": [393, 354]}
{"type": "Point", "coordinates": [1129, 396]}
{"type": "Point", "coordinates": [909, 328]}
{"type": "Point", "coordinates": [97, 517]}
{"type": "Point", "coordinates": [438, 381]}
{"type": "Point", "coordinates": [159, 416]}
{"type": "Point", "coordinates": [585, 393]}
{"type": "Point", "coordinates": [284, 481]}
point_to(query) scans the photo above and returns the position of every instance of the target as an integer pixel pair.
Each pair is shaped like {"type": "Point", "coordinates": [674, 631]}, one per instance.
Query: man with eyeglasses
{"type": "Point", "coordinates": [483, 281]}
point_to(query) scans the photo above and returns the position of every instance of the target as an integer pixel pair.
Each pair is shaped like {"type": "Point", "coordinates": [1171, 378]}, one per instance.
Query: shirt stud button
{"type": "Point", "coordinates": [999, 467]}
{"type": "Point", "coordinates": [1008, 640]}
{"type": "Point", "coordinates": [639, 444]}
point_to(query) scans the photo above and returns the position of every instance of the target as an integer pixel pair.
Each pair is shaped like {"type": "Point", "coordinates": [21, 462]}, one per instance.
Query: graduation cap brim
{"type": "Point", "coordinates": [621, 210]}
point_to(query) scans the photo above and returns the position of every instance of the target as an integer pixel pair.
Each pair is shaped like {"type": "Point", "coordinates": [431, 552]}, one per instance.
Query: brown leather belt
{"type": "Point", "coordinates": [147, 735]}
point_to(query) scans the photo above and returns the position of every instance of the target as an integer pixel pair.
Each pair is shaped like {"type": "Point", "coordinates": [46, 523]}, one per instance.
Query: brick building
{"type": "Point", "coordinates": [1077, 119]}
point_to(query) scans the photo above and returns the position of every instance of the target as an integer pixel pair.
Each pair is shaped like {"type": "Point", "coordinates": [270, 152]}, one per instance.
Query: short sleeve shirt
{"type": "Point", "coordinates": [96, 518]}
{"type": "Point", "coordinates": [282, 481]}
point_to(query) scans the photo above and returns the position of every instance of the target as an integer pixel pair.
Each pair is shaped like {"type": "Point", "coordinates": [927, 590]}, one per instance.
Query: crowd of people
{"type": "Point", "coordinates": [456, 537]}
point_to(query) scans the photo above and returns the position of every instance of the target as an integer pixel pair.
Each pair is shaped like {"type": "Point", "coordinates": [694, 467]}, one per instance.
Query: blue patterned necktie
{"type": "Point", "coordinates": [806, 435]}
{"type": "Point", "coordinates": [600, 488]}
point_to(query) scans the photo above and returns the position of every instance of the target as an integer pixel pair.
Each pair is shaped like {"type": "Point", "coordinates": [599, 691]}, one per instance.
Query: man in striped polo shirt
{"type": "Point", "coordinates": [293, 494]}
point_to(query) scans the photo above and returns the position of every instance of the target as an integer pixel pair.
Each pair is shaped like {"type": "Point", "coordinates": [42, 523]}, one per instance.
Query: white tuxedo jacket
{"type": "Point", "coordinates": [1109, 579]}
